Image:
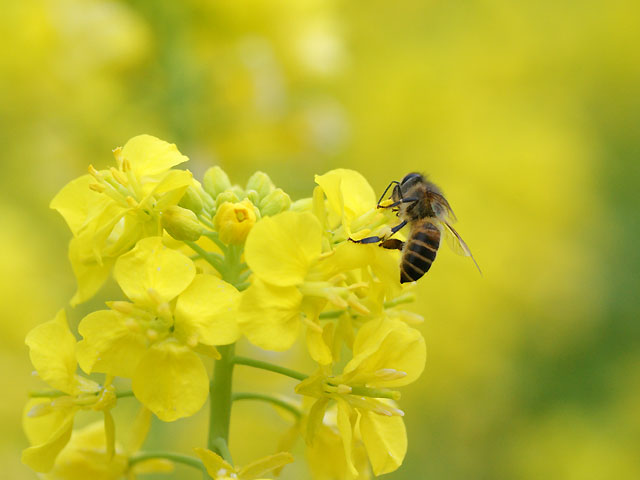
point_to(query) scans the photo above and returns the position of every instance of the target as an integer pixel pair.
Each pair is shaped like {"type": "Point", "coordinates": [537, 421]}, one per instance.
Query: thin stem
{"type": "Point", "coordinates": [213, 258]}
{"type": "Point", "coordinates": [269, 399]}
{"type": "Point", "coordinates": [375, 393]}
{"type": "Point", "coordinates": [220, 400]}
{"type": "Point", "coordinates": [58, 393]}
{"type": "Point", "coordinates": [251, 362]}
{"type": "Point", "coordinates": [174, 457]}
{"type": "Point", "coordinates": [215, 238]}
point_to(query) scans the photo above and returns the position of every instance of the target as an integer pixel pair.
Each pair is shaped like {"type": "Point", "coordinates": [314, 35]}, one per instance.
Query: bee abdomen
{"type": "Point", "coordinates": [419, 252]}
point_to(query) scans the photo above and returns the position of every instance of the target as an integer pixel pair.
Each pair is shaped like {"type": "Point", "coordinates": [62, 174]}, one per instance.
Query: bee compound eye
{"type": "Point", "coordinates": [409, 177]}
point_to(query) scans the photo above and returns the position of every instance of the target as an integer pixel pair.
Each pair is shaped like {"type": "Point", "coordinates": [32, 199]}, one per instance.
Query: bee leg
{"type": "Point", "coordinates": [402, 200]}
{"type": "Point", "coordinates": [367, 240]}
{"type": "Point", "coordinates": [392, 244]}
{"type": "Point", "coordinates": [380, 240]}
{"type": "Point", "coordinates": [386, 190]}
{"type": "Point", "coordinates": [398, 227]}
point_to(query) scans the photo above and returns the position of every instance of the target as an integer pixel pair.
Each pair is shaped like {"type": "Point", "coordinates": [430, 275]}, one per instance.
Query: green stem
{"type": "Point", "coordinates": [213, 258]}
{"type": "Point", "coordinates": [269, 399]}
{"type": "Point", "coordinates": [174, 457]}
{"type": "Point", "coordinates": [220, 400]}
{"type": "Point", "coordinates": [375, 393]}
{"type": "Point", "coordinates": [251, 362]}
{"type": "Point", "coordinates": [223, 449]}
{"type": "Point", "coordinates": [58, 393]}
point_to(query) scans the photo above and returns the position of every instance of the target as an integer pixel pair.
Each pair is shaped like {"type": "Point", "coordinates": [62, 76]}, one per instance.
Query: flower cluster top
{"type": "Point", "coordinates": [200, 265]}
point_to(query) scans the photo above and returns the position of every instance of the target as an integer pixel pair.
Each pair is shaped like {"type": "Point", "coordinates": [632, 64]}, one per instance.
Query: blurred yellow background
{"type": "Point", "coordinates": [526, 113]}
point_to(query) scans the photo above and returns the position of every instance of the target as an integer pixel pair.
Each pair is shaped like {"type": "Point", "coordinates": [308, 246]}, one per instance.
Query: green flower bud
{"type": "Point", "coordinates": [227, 196]}
{"type": "Point", "coordinates": [181, 224]}
{"type": "Point", "coordinates": [239, 191]}
{"type": "Point", "coordinates": [253, 196]}
{"type": "Point", "coordinates": [191, 200]}
{"type": "Point", "coordinates": [302, 205]}
{"type": "Point", "coordinates": [276, 202]}
{"type": "Point", "coordinates": [261, 183]}
{"type": "Point", "coordinates": [215, 181]}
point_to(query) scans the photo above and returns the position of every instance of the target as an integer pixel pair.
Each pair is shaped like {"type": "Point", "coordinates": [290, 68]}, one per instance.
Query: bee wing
{"type": "Point", "coordinates": [455, 242]}
{"type": "Point", "coordinates": [442, 208]}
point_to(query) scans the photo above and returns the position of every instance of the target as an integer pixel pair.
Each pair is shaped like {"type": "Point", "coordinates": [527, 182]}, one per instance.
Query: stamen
{"type": "Point", "coordinates": [390, 374]}
{"type": "Point", "coordinates": [132, 202]}
{"type": "Point", "coordinates": [95, 173]}
{"type": "Point", "coordinates": [311, 324]}
{"type": "Point", "coordinates": [120, 178]}
{"type": "Point", "coordinates": [97, 187]}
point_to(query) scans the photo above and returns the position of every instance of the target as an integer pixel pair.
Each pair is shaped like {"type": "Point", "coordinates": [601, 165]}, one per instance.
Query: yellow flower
{"type": "Point", "coordinates": [86, 456]}
{"type": "Point", "coordinates": [108, 211]}
{"type": "Point", "coordinates": [233, 221]}
{"type": "Point", "coordinates": [349, 196]}
{"type": "Point", "coordinates": [48, 419]}
{"type": "Point", "coordinates": [219, 469]}
{"type": "Point", "coordinates": [386, 354]}
{"type": "Point", "coordinates": [292, 282]}
{"type": "Point", "coordinates": [153, 339]}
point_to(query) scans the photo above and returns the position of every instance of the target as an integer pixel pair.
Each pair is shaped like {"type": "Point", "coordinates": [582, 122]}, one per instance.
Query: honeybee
{"type": "Point", "coordinates": [422, 205]}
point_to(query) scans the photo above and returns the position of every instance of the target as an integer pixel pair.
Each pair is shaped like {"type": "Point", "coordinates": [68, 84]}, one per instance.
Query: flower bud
{"type": "Point", "coordinates": [261, 183]}
{"type": "Point", "coordinates": [181, 224]}
{"type": "Point", "coordinates": [276, 202]}
{"type": "Point", "coordinates": [302, 205]}
{"type": "Point", "coordinates": [234, 221]}
{"type": "Point", "coordinates": [215, 181]}
{"type": "Point", "coordinates": [191, 200]}
{"type": "Point", "coordinates": [225, 197]}
{"type": "Point", "coordinates": [254, 197]}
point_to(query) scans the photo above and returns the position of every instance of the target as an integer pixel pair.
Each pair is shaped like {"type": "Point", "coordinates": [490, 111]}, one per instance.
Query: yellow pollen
{"type": "Point", "coordinates": [132, 202]}
{"type": "Point", "coordinates": [96, 187]}
{"type": "Point", "coordinates": [344, 389]}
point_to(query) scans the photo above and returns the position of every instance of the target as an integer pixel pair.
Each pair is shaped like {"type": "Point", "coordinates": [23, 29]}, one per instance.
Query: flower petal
{"type": "Point", "coordinates": [264, 465]}
{"type": "Point", "coordinates": [216, 466]}
{"type": "Point", "coordinates": [42, 457]}
{"type": "Point", "coordinates": [280, 249]}
{"type": "Point", "coordinates": [90, 275]}
{"type": "Point", "coordinates": [206, 311]}
{"type": "Point", "coordinates": [346, 421]}
{"type": "Point", "coordinates": [385, 439]}
{"type": "Point", "coordinates": [109, 344]}
{"type": "Point", "coordinates": [76, 202]}
{"type": "Point", "coordinates": [149, 155]}
{"type": "Point", "coordinates": [383, 347]}
{"type": "Point", "coordinates": [171, 381]}
{"type": "Point", "coordinates": [348, 193]}
{"type": "Point", "coordinates": [52, 348]}
{"type": "Point", "coordinates": [270, 316]}
{"type": "Point", "coordinates": [151, 265]}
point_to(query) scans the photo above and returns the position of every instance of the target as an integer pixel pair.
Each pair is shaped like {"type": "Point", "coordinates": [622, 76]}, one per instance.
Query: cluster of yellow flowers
{"type": "Point", "coordinates": [202, 265]}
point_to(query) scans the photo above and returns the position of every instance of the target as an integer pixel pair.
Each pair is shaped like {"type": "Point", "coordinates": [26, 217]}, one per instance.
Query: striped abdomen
{"type": "Point", "coordinates": [419, 251]}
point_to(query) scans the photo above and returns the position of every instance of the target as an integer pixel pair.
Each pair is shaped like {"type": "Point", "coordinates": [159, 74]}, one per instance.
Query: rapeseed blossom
{"type": "Point", "coordinates": [201, 265]}
{"type": "Point", "coordinates": [153, 339]}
